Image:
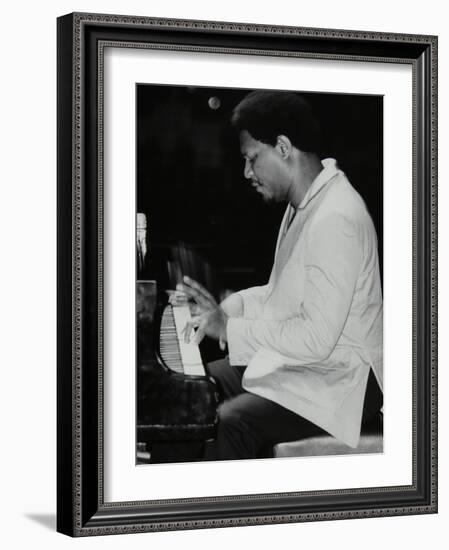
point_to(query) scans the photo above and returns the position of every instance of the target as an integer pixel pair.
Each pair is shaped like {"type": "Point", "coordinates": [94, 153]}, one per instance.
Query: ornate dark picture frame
{"type": "Point", "coordinates": [81, 509]}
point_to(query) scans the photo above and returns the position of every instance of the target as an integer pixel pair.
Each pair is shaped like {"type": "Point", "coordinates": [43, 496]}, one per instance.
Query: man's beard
{"type": "Point", "coordinates": [267, 198]}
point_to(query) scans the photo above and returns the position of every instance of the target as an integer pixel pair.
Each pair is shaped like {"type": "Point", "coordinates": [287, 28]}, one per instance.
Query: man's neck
{"type": "Point", "coordinates": [308, 168]}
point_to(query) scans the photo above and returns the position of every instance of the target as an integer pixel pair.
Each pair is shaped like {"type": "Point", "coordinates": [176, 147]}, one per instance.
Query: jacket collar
{"type": "Point", "coordinates": [329, 170]}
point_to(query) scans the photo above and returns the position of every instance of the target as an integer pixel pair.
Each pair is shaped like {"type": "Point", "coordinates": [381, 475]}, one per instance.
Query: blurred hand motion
{"type": "Point", "coordinates": [209, 318]}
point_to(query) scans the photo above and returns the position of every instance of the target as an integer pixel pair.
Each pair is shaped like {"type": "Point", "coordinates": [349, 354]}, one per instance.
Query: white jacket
{"type": "Point", "coordinates": [310, 336]}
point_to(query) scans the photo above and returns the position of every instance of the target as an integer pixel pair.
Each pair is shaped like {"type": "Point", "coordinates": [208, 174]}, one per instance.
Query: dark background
{"type": "Point", "coordinates": [190, 178]}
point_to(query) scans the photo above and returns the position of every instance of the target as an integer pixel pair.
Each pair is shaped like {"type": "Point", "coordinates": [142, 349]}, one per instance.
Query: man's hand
{"type": "Point", "coordinates": [210, 320]}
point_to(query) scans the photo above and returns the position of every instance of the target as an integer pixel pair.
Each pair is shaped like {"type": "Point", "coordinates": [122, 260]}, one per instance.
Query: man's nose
{"type": "Point", "coordinates": [248, 171]}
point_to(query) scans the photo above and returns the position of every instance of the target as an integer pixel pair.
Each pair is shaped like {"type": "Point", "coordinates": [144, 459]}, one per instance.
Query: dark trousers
{"type": "Point", "coordinates": [249, 425]}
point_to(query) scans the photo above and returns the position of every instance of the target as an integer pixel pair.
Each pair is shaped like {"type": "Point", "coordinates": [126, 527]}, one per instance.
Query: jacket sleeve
{"type": "Point", "coordinates": [253, 299]}
{"type": "Point", "coordinates": [244, 303]}
{"type": "Point", "coordinates": [332, 263]}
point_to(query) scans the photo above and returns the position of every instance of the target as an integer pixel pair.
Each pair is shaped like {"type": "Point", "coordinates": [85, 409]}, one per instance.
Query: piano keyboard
{"type": "Point", "coordinates": [178, 355]}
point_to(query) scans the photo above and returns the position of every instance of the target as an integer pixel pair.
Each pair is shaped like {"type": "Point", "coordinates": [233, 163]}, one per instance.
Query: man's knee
{"type": "Point", "coordinates": [231, 414]}
{"type": "Point", "coordinates": [215, 368]}
{"type": "Point", "coordinates": [235, 437]}
{"type": "Point", "coordinates": [227, 377]}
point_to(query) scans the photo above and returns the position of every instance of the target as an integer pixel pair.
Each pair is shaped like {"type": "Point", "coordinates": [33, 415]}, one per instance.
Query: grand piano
{"type": "Point", "coordinates": [176, 399]}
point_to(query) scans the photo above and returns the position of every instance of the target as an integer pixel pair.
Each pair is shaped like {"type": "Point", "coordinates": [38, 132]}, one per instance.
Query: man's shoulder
{"type": "Point", "coordinates": [343, 199]}
{"type": "Point", "coordinates": [342, 206]}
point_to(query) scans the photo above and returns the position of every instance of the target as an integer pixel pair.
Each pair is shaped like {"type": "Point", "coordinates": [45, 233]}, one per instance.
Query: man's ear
{"type": "Point", "coordinates": [284, 146]}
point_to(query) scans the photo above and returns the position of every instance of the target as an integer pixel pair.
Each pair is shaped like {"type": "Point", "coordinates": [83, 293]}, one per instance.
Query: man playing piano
{"type": "Point", "coordinates": [305, 350]}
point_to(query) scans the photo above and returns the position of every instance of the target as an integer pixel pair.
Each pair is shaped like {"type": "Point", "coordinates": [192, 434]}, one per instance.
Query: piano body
{"type": "Point", "coordinates": [176, 399]}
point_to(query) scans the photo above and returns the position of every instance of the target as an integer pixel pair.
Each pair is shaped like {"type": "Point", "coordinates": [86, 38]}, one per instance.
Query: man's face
{"type": "Point", "coordinates": [265, 168]}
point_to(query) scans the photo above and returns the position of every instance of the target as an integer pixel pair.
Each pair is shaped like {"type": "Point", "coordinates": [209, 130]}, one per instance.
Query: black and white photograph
{"type": "Point", "coordinates": [223, 287]}
{"type": "Point", "coordinates": [246, 274]}
{"type": "Point", "coordinates": [259, 274]}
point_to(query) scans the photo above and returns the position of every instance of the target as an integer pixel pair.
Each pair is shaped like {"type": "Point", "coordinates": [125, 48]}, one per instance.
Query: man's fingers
{"type": "Point", "coordinates": [200, 288]}
{"type": "Point", "coordinates": [196, 287]}
{"type": "Point", "coordinates": [187, 331]}
{"type": "Point", "coordinates": [195, 309]}
{"type": "Point", "coordinates": [200, 334]}
{"type": "Point", "coordinates": [197, 297]}
{"type": "Point", "coordinates": [178, 298]}
{"type": "Point", "coordinates": [196, 322]}
{"type": "Point", "coordinates": [189, 328]}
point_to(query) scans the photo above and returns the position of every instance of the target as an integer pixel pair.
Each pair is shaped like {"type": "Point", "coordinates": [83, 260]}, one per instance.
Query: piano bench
{"type": "Point", "coordinates": [326, 445]}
